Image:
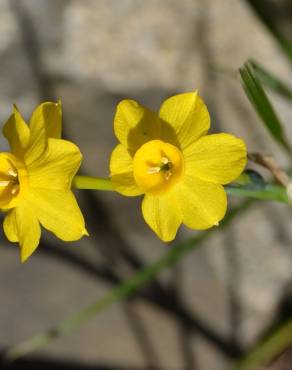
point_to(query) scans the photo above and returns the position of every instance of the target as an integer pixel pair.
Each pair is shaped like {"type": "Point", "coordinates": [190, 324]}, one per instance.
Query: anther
{"type": "Point", "coordinates": [168, 174]}
{"type": "Point", "coordinates": [164, 160]}
{"type": "Point", "coordinates": [153, 170]}
{"type": "Point", "coordinates": [4, 183]}
{"type": "Point", "coordinates": [12, 172]}
{"type": "Point", "coordinates": [15, 189]}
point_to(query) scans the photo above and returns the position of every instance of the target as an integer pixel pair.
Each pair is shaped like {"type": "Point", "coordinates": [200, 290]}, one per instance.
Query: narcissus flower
{"type": "Point", "coordinates": [35, 180]}
{"type": "Point", "coordinates": [170, 158]}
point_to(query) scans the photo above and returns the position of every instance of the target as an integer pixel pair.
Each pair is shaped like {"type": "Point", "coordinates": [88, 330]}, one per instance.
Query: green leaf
{"type": "Point", "coordinates": [271, 81]}
{"type": "Point", "coordinates": [121, 291]}
{"type": "Point", "coordinates": [262, 105]}
{"type": "Point", "coordinates": [268, 348]}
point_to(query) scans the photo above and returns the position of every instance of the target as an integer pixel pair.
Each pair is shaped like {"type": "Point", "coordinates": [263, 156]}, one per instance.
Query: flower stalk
{"type": "Point", "coordinates": [267, 192]}
{"type": "Point", "coordinates": [92, 183]}
{"type": "Point", "coordinates": [121, 291]}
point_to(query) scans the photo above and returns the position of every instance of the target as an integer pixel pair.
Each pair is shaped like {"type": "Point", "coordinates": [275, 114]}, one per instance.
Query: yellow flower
{"type": "Point", "coordinates": [169, 158]}
{"type": "Point", "coordinates": [35, 180]}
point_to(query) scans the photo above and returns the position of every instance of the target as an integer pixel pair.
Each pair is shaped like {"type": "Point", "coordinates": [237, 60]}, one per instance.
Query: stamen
{"type": "Point", "coordinates": [12, 172]}
{"type": "Point", "coordinates": [12, 182]}
{"type": "Point", "coordinates": [164, 160]}
{"type": "Point", "coordinates": [165, 167]}
{"type": "Point", "coordinates": [168, 174]}
{"type": "Point", "coordinates": [153, 170]}
{"type": "Point", "coordinates": [15, 189]}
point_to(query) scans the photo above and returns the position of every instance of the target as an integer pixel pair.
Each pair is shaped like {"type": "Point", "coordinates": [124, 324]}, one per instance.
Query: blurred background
{"type": "Point", "coordinates": [216, 302]}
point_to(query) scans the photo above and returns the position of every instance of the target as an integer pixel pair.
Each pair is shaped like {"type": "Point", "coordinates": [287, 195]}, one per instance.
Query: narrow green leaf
{"type": "Point", "coordinates": [121, 291]}
{"type": "Point", "coordinates": [267, 349]}
{"type": "Point", "coordinates": [262, 105]}
{"type": "Point", "coordinates": [271, 81]}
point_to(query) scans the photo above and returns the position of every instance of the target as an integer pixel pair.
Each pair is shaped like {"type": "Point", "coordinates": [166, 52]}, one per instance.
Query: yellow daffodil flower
{"type": "Point", "coordinates": [170, 158]}
{"type": "Point", "coordinates": [35, 180]}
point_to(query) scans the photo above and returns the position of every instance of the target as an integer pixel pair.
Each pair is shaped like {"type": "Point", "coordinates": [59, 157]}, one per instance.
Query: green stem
{"type": "Point", "coordinates": [268, 349]}
{"type": "Point", "coordinates": [122, 290]}
{"type": "Point", "coordinates": [92, 183]}
{"type": "Point", "coordinates": [267, 192]}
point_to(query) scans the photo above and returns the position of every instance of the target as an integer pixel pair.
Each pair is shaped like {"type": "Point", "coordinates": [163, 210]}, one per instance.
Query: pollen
{"type": "Point", "coordinates": [157, 166]}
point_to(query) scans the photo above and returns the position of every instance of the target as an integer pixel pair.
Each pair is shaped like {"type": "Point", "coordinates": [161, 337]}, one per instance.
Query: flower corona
{"type": "Point", "coordinates": [157, 166]}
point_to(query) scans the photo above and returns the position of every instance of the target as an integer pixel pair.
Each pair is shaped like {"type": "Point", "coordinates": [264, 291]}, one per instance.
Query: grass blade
{"type": "Point", "coordinates": [269, 80]}
{"type": "Point", "coordinates": [262, 105]}
{"type": "Point", "coordinates": [121, 291]}
{"type": "Point", "coordinates": [268, 348]}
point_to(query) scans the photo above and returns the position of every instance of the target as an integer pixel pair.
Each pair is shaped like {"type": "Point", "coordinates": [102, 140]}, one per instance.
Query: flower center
{"type": "Point", "coordinates": [13, 180]}
{"type": "Point", "coordinates": [157, 166]}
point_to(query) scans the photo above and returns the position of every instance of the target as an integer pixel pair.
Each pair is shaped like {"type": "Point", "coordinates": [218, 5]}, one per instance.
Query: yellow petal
{"type": "Point", "coordinates": [45, 122]}
{"type": "Point", "coordinates": [56, 168]}
{"type": "Point", "coordinates": [17, 133]}
{"type": "Point", "coordinates": [47, 116]}
{"type": "Point", "coordinates": [218, 158]}
{"type": "Point", "coordinates": [22, 225]}
{"type": "Point", "coordinates": [58, 212]}
{"type": "Point", "coordinates": [121, 172]}
{"type": "Point", "coordinates": [134, 125]}
{"type": "Point", "coordinates": [187, 115]}
{"type": "Point", "coordinates": [162, 214]}
{"type": "Point", "coordinates": [9, 226]}
{"type": "Point", "coordinates": [203, 204]}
